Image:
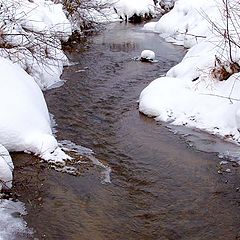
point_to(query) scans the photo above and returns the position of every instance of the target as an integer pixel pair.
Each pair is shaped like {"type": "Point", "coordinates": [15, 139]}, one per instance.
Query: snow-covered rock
{"type": "Point", "coordinates": [147, 55]}
{"type": "Point", "coordinates": [166, 5]}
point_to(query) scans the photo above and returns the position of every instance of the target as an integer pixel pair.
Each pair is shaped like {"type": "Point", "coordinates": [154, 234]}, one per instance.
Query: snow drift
{"type": "Point", "coordinates": [187, 23]}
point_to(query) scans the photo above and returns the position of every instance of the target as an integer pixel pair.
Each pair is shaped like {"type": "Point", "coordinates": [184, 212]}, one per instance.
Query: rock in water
{"type": "Point", "coordinates": [147, 56]}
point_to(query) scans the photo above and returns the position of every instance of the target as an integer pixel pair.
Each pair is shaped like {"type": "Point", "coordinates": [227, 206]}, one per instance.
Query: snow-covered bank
{"type": "Point", "coordinates": [187, 23]}
{"type": "Point", "coordinates": [192, 94]}
{"type": "Point", "coordinates": [31, 59]}
{"type": "Point", "coordinates": [30, 36]}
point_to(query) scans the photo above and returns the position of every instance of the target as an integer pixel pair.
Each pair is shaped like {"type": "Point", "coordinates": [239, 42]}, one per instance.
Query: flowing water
{"type": "Point", "coordinates": [161, 188]}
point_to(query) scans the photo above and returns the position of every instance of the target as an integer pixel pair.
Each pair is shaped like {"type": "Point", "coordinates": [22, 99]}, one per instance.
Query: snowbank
{"type": "Point", "coordinates": [126, 9]}
{"type": "Point", "coordinates": [192, 94]}
{"type": "Point", "coordinates": [25, 122]}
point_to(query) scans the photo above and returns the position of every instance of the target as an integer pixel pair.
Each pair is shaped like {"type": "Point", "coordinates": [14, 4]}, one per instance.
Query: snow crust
{"type": "Point", "coordinates": [12, 225]}
{"type": "Point", "coordinates": [33, 31]}
{"type": "Point", "coordinates": [189, 94]}
{"type": "Point", "coordinates": [69, 146]}
{"type": "Point", "coordinates": [126, 9]}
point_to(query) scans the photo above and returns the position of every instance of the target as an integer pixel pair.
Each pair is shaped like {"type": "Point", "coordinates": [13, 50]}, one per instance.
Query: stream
{"type": "Point", "coordinates": [161, 188]}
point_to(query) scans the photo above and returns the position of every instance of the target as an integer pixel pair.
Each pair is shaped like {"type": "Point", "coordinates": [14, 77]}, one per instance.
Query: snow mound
{"type": "Point", "coordinates": [25, 122]}
{"type": "Point", "coordinates": [147, 55]}
{"type": "Point", "coordinates": [127, 9]}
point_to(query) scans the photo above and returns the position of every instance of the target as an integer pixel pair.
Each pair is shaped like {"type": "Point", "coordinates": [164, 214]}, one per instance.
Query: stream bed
{"type": "Point", "coordinates": [161, 188]}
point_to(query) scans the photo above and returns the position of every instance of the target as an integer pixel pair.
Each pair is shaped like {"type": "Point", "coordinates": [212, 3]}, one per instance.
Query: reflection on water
{"type": "Point", "coordinates": [123, 47]}
{"type": "Point", "coordinates": [161, 189]}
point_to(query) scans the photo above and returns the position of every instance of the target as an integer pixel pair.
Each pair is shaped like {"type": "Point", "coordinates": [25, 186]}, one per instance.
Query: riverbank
{"type": "Point", "coordinates": [202, 91]}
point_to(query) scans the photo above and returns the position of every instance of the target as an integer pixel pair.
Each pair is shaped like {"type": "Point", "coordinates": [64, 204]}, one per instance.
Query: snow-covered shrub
{"type": "Point", "coordinates": [167, 5]}
{"type": "Point", "coordinates": [85, 14]}
{"type": "Point", "coordinates": [135, 9]}
{"type": "Point", "coordinates": [30, 35]}
{"type": "Point", "coordinates": [31, 58]}
{"type": "Point", "coordinates": [227, 31]}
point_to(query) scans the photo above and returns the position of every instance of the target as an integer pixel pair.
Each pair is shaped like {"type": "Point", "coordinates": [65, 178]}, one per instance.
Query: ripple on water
{"type": "Point", "coordinates": [71, 147]}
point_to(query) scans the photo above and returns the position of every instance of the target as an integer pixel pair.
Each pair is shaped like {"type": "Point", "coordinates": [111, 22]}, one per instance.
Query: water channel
{"type": "Point", "coordinates": [161, 188]}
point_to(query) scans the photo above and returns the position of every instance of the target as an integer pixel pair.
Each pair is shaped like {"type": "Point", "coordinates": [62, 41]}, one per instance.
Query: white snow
{"type": "Point", "coordinates": [147, 55]}
{"type": "Point", "coordinates": [27, 28]}
{"type": "Point", "coordinates": [126, 9]}
{"type": "Point", "coordinates": [191, 93]}
{"type": "Point", "coordinates": [25, 122]}
{"type": "Point", "coordinates": [187, 23]}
